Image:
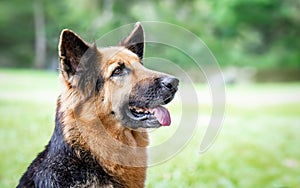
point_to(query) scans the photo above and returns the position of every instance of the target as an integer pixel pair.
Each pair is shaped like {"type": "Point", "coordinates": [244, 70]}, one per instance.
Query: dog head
{"type": "Point", "coordinates": [115, 80]}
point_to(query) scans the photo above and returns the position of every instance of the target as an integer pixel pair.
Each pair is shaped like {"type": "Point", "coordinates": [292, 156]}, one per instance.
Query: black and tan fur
{"type": "Point", "coordinates": [96, 141]}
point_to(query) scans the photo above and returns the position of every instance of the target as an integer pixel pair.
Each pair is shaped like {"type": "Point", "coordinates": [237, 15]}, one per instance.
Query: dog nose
{"type": "Point", "coordinates": [170, 83]}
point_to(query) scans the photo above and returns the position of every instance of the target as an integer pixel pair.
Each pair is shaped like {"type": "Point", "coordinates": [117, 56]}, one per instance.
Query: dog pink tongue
{"type": "Point", "coordinates": [162, 115]}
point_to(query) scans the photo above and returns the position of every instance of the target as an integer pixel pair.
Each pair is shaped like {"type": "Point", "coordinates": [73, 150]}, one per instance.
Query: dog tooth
{"type": "Point", "coordinates": [139, 110]}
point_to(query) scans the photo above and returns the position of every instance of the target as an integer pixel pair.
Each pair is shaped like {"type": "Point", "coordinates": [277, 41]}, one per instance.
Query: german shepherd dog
{"type": "Point", "coordinates": [108, 101]}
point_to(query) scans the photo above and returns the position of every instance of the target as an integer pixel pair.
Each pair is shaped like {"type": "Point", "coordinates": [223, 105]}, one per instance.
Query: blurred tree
{"type": "Point", "coordinates": [258, 33]}
{"type": "Point", "coordinates": [16, 41]}
{"type": "Point", "coordinates": [40, 35]}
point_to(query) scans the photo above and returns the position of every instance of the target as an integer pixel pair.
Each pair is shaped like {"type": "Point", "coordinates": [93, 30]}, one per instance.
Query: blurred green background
{"type": "Point", "coordinates": [256, 43]}
{"type": "Point", "coordinates": [263, 34]}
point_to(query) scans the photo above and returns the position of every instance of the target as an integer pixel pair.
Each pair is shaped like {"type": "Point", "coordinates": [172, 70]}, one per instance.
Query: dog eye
{"type": "Point", "coordinates": [118, 71]}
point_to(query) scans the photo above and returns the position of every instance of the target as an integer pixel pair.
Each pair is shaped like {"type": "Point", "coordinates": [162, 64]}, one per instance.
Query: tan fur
{"type": "Point", "coordinates": [94, 127]}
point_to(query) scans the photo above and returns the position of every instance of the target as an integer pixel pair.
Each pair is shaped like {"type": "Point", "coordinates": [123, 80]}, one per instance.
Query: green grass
{"type": "Point", "coordinates": [258, 145]}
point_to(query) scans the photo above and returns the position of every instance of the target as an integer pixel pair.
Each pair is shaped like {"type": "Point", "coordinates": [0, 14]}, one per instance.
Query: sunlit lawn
{"type": "Point", "coordinates": [258, 145]}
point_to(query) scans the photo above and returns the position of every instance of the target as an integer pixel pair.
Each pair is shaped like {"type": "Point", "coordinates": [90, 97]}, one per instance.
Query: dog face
{"type": "Point", "coordinates": [123, 91]}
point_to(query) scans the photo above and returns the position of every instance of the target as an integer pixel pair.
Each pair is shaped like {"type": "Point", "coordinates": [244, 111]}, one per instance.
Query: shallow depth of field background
{"type": "Point", "coordinates": [256, 44]}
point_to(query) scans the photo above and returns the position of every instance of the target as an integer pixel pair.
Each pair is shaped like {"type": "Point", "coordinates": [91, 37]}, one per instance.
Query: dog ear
{"type": "Point", "coordinates": [79, 58]}
{"type": "Point", "coordinates": [71, 49]}
{"type": "Point", "coordinates": [135, 40]}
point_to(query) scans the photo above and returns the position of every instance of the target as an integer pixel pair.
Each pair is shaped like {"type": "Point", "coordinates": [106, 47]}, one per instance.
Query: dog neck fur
{"type": "Point", "coordinates": [121, 151]}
